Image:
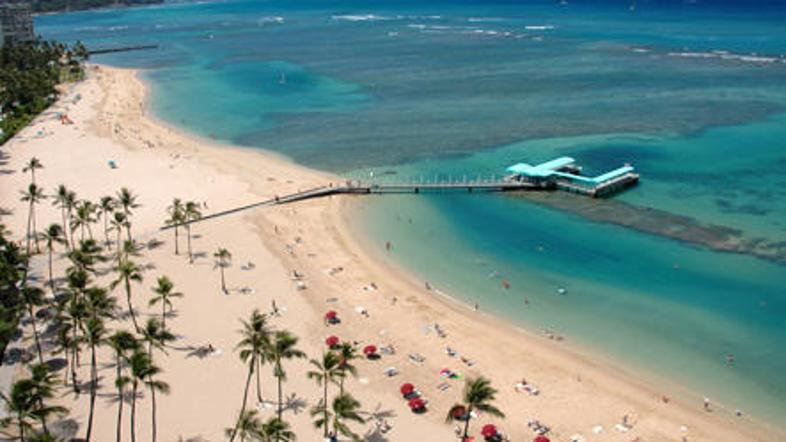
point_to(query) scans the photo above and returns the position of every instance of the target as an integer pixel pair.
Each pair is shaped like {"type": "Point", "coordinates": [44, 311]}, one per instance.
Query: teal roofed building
{"type": "Point", "coordinates": [563, 173]}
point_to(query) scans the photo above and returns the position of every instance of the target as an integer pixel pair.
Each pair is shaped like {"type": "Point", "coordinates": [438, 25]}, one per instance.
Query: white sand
{"type": "Point", "coordinates": [578, 392]}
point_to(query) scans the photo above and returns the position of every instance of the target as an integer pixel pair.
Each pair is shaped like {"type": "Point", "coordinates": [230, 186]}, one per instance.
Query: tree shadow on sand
{"type": "Point", "coordinates": [192, 439]}
{"type": "Point", "coordinates": [294, 404]}
{"type": "Point", "coordinates": [64, 429]}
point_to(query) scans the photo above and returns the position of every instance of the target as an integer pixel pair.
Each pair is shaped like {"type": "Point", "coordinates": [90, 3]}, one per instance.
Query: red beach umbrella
{"type": "Point", "coordinates": [370, 350]}
{"type": "Point", "coordinates": [541, 439]}
{"type": "Point", "coordinates": [331, 341]}
{"type": "Point", "coordinates": [331, 315]}
{"type": "Point", "coordinates": [407, 388]}
{"type": "Point", "coordinates": [417, 404]}
{"type": "Point", "coordinates": [489, 430]}
{"type": "Point", "coordinates": [459, 413]}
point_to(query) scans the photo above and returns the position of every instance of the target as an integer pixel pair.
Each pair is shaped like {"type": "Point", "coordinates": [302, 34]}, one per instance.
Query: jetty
{"type": "Point", "coordinates": [559, 174]}
{"type": "Point", "coordinates": [121, 49]}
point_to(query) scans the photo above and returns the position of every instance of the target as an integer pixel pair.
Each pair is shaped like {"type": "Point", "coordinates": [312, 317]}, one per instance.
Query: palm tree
{"type": "Point", "coordinates": [33, 297]}
{"type": "Point", "coordinates": [123, 344]}
{"type": "Point", "coordinates": [344, 408]}
{"type": "Point", "coordinates": [328, 370]}
{"type": "Point", "coordinates": [256, 339]}
{"type": "Point", "coordinates": [176, 214]}
{"type": "Point", "coordinates": [44, 384]}
{"type": "Point", "coordinates": [141, 366]}
{"type": "Point", "coordinates": [127, 201]}
{"type": "Point", "coordinates": [156, 337]}
{"type": "Point", "coordinates": [191, 213]}
{"type": "Point", "coordinates": [61, 201]}
{"type": "Point", "coordinates": [72, 314]}
{"type": "Point", "coordinates": [106, 207]}
{"type": "Point", "coordinates": [70, 202]}
{"type": "Point", "coordinates": [83, 217]}
{"type": "Point", "coordinates": [247, 427]}
{"type": "Point", "coordinates": [118, 223]}
{"type": "Point", "coordinates": [164, 295]}
{"type": "Point", "coordinates": [281, 347]}
{"type": "Point", "coordinates": [31, 166]}
{"type": "Point", "coordinates": [277, 430]}
{"type": "Point", "coordinates": [20, 408]}
{"type": "Point", "coordinates": [85, 256]}
{"type": "Point", "coordinates": [224, 260]}
{"type": "Point", "coordinates": [348, 353]}
{"type": "Point", "coordinates": [33, 196]}
{"type": "Point", "coordinates": [128, 271]}
{"type": "Point", "coordinates": [53, 234]}
{"type": "Point", "coordinates": [94, 335]}
{"type": "Point", "coordinates": [25, 403]}
{"type": "Point", "coordinates": [478, 395]}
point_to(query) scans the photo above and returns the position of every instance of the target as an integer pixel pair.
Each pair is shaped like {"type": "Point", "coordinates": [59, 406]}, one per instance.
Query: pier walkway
{"type": "Point", "coordinates": [559, 174]}
{"type": "Point", "coordinates": [358, 188]}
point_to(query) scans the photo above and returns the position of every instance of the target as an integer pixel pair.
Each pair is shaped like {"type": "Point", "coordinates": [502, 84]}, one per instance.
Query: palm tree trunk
{"type": "Point", "coordinates": [29, 224]}
{"type": "Point", "coordinates": [74, 362]}
{"type": "Point", "coordinates": [21, 428]}
{"type": "Point", "coordinates": [163, 315]}
{"type": "Point", "coordinates": [177, 241]}
{"type": "Point", "coordinates": [128, 227]}
{"type": "Point", "coordinates": [341, 382]}
{"type": "Point", "coordinates": [74, 380]}
{"type": "Point", "coordinates": [118, 245]}
{"type": "Point", "coordinates": [245, 398]}
{"type": "Point", "coordinates": [120, 398]}
{"type": "Point", "coordinates": [51, 276]}
{"type": "Point", "coordinates": [35, 334]}
{"type": "Point", "coordinates": [153, 403]}
{"type": "Point", "coordinates": [65, 227]}
{"type": "Point", "coordinates": [466, 423]}
{"type": "Point", "coordinates": [133, 412]}
{"type": "Point", "coordinates": [89, 231]}
{"type": "Point", "coordinates": [188, 235]}
{"type": "Point", "coordinates": [106, 231]}
{"type": "Point", "coordinates": [325, 403]}
{"type": "Point", "coordinates": [280, 393]}
{"type": "Point", "coordinates": [71, 231]}
{"type": "Point", "coordinates": [130, 307]}
{"type": "Point", "coordinates": [223, 282]}
{"type": "Point", "coordinates": [259, 382]}
{"type": "Point", "coordinates": [35, 231]}
{"type": "Point", "coordinates": [93, 387]}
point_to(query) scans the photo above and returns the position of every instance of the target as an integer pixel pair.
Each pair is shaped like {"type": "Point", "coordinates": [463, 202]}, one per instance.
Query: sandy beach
{"type": "Point", "coordinates": [578, 393]}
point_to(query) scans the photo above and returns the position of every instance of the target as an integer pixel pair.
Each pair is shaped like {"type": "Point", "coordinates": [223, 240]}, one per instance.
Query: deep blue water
{"type": "Point", "coordinates": [693, 93]}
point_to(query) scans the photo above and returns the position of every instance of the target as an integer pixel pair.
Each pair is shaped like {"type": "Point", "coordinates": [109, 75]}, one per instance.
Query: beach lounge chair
{"type": "Point", "coordinates": [390, 371]}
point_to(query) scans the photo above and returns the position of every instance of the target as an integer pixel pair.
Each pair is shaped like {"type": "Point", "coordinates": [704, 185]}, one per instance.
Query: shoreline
{"type": "Point", "coordinates": [361, 245]}
{"type": "Point", "coordinates": [579, 389]}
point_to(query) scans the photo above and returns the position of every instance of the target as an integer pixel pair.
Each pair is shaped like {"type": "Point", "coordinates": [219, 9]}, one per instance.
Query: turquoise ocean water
{"type": "Point", "coordinates": [694, 95]}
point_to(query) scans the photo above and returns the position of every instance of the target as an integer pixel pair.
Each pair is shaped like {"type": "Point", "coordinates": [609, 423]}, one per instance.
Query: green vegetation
{"type": "Point", "coordinates": [29, 74]}
{"type": "Point", "coordinates": [13, 269]}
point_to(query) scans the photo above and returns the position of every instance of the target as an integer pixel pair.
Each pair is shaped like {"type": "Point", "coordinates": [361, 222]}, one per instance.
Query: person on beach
{"type": "Point", "coordinates": [707, 404]}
